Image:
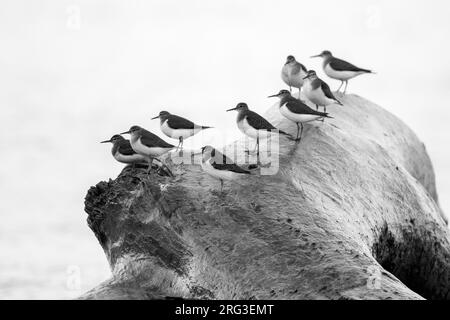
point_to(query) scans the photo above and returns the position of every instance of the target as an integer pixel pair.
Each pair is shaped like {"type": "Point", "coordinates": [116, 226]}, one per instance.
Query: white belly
{"type": "Point", "coordinates": [292, 80]}
{"type": "Point", "coordinates": [298, 117]}
{"type": "Point", "coordinates": [317, 96]}
{"type": "Point", "coordinates": [340, 75]}
{"type": "Point", "coordinates": [218, 174]}
{"type": "Point", "coordinates": [251, 132]}
{"type": "Point", "coordinates": [177, 133]}
{"type": "Point", "coordinates": [146, 151]}
{"type": "Point", "coordinates": [135, 158]}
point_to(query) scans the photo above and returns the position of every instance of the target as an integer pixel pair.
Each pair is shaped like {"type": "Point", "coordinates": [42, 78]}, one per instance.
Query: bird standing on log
{"type": "Point", "coordinates": [148, 144]}
{"type": "Point", "coordinates": [293, 73]}
{"type": "Point", "coordinates": [177, 127]}
{"type": "Point", "coordinates": [253, 125]}
{"type": "Point", "coordinates": [219, 166]}
{"type": "Point", "coordinates": [123, 152]}
{"type": "Point", "coordinates": [339, 69]}
{"type": "Point", "coordinates": [318, 92]}
{"type": "Point", "coordinates": [295, 110]}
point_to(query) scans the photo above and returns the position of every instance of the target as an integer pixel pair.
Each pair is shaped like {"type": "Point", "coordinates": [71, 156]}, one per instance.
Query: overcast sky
{"type": "Point", "coordinates": [75, 72]}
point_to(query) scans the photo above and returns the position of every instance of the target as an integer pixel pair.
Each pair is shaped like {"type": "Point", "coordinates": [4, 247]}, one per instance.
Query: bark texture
{"type": "Point", "coordinates": [352, 213]}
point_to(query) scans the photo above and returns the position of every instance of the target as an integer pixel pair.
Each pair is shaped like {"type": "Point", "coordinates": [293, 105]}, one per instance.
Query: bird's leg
{"type": "Point", "coordinates": [290, 88]}
{"type": "Point", "coordinates": [257, 150]}
{"type": "Point", "coordinates": [301, 131]}
{"type": "Point", "coordinates": [317, 107]}
{"type": "Point", "coordinates": [221, 185]}
{"type": "Point", "coordinates": [346, 84]}
{"type": "Point", "coordinates": [181, 142]}
{"type": "Point", "coordinates": [298, 131]}
{"type": "Point", "coordinates": [150, 162]}
{"type": "Point", "coordinates": [342, 82]}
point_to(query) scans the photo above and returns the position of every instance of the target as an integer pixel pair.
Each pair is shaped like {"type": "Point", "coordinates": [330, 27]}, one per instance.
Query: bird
{"type": "Point", "coordinates": [339, 69]}
{"type": "Point", "coordinates": [123, 152]}
{"type": "Point", "coordinates": [293, 73]}
{"type": "Point", "coordinates": [295, 110]}
{"type": "Point", "coordinates": [219, 166]}
{"type": "Point", "coordinates": [318, 92]}
{"type": "Point", "coordinates": [252, 124]}
{"type": "Point", "coordinates": [177, 127]}
{"type": "Point", "coordinates": [148, 144]}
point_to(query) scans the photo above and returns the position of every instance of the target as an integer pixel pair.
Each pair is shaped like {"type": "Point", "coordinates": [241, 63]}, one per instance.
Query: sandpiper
{"type": "Point", "coordinates": [219, 166]}
{"type": "Point", "coordinates": [318, 92]}
{"type": "Point", "coordinates": [177, 127]}
{"type": "Point", "coordinates": [295, 110]}
{"type": "Point", "coordinates": [293, 73]}
{"type": "Point", "coordinates": [339, 69]}
{"type": "Point", "coordinates": [253, 125]}
{"type": "Point", "coordinates": [148, 144]}
{"type": "Point", "coordinates": [123, 152]}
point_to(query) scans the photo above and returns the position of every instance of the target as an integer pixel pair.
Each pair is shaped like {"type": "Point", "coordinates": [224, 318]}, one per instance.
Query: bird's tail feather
{"type": "Point", "coordinates": [205, 127]}
{"type": "Point", "coordinates": [284, 133]}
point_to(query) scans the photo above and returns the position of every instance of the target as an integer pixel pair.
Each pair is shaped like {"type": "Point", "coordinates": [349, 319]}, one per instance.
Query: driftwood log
{"type": "Point", "coordinates": [352, 213]}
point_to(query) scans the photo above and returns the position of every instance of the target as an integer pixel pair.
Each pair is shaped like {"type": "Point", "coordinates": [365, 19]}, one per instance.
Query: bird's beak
{"type": "Point", "coordinates": [231, 109]}
{"type": "Point", "coordinates": [155, 118]}
{"type": "Point", "coordinates": [106, 141]}
{"type": "Point", "coordinates": [316, 56]}
{"type": "Point", "coordinates": [305, 77]}
{"type": "Point", "coordinates": [274, 95]}
{"type": "Point", "coordinates": [127, 132]}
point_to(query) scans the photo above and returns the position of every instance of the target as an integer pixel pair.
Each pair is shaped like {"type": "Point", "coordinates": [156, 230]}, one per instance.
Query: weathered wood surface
{"type": "Point", "coordinates": [351, 214]}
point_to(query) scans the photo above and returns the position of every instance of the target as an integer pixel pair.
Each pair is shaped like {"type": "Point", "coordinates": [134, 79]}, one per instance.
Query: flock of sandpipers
{"type": "Point", "coordinates": [145, 146]}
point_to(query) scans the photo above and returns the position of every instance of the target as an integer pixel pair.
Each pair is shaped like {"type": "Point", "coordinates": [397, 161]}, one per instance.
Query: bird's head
{"type": "Point", "coordinates": [240, 106]}
{"type": "Point", "coordinates": [162, 115]}
{"type": "Point", "coordinates": [133, 130]}
{"type": "Point", "coordinates": [207, 152]}
{"type": "Point", "coordinates": [324, 54]}
{"type": "Point", "coordinates": [115, 138]}
{"type": "Point", "coordinates": [290, 59]}
{"type": "Point", "coordinates": [311, 75]}
{"type": "Point", "coordinates": [283, 93]}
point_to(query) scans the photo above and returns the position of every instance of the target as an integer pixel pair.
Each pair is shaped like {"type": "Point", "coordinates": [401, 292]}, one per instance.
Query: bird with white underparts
{"type": "Point", "coordinates": [318, 92]}
{"type": "Point", "coordinates": [149, 145]}
{"type": "Point", "coordinates": [219, 166]}
{"type": "Point", "coordinates": [177, 127]}
{"type": "Point", "coordinates": [296, 111]}
{"type": "Point", "coordinates": [293, 73]}
{"type": "Point", "coordinates": [253, 125]}
{"type": "Point", "coordinates": [123, 152]}
{"type": "Point", "coordinates": [339, 69]}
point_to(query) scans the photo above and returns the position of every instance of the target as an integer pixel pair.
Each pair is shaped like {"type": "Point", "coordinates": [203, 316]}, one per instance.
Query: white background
{"type": "Point", "coordinates": [73, 73]}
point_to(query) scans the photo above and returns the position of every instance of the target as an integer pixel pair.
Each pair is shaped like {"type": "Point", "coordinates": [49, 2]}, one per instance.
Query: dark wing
{"type": "Point", "coordinates": [296, 106]}
{"type": "Point", "coordinates": [302, 67]}
{"type": "Point", "coordinates": [258, 122]}
{"type": "Point", "coordinates": [297, 67]}
{"type": "Point", "coordinates": [219, 161]}
{"type": "Point", "coordinates": [152, 140]}
{"type": "Point", "coordinates": [179, 122]}
{"type": "Point", "coordinates": [341, 65]}
{"type": "Point", "coordinates": [125, 148]}
{"type": "Point", "coordinates": [326, 89]}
